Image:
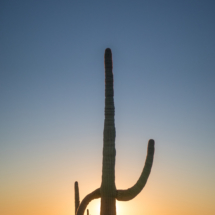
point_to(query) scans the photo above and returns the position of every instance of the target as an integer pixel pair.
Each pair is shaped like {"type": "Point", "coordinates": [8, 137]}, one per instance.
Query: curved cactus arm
{"type": "Point", "coordinates": [125, 195]}
{"type": "Point", "coordinates": [94, 195]}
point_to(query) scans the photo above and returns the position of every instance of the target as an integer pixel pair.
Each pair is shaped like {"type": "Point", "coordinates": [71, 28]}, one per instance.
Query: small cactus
{"type": "Point", "coordinates": [107, 191]}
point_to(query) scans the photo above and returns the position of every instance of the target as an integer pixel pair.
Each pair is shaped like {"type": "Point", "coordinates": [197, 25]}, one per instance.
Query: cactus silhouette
{"type": "Point", "coordinates": [107, 191]}
{"type": "Point", "coordinates": [77, 202]}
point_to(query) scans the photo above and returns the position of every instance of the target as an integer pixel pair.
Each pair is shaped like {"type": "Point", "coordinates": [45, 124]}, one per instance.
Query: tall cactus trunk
{"type": "Point", "coordinates": [108, 192]}
{"type": "Point", "coordinates": [108, 188]}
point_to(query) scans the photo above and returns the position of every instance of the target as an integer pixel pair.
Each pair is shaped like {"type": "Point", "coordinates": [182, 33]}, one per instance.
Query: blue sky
{"type": "Point", "coordinates": [52, 96]}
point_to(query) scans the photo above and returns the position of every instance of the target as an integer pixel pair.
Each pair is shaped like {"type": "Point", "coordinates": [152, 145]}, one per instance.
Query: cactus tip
{"type": "Point", "coordinates": [108, 52]}
{"type": "Point", "coordinates": [151, 142]}
{"type": "Point", "coordinates": [151, 145]}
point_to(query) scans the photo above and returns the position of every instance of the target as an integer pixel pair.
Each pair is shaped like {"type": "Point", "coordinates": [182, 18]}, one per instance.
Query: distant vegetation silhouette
{"type": "Point", "coordinates": [107, 191]}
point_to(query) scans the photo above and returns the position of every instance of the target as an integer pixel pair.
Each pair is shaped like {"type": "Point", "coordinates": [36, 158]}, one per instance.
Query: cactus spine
{"type": "Point", "coordinates": [107, 191]}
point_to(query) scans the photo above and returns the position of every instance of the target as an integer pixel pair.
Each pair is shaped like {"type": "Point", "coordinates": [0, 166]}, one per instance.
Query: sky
{"type": "Point", "coordinates": [52, 103]}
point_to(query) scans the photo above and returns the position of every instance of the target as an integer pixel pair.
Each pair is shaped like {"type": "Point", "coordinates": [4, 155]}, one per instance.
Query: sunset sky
{"type": "Point", "coordinates": [52, 103]}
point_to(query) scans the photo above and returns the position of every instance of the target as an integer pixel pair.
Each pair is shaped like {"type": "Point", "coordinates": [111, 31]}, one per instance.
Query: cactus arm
{"type": "Point", "coordinates": [94, 195]}
{"type": "Point", "coordinates": [126, 195]}
{"type": "Point", "coordinates": [77, 201]}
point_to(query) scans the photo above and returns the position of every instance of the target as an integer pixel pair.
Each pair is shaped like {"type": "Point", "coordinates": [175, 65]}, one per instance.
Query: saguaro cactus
{"type": "Point", "coordinates": [107, 191]}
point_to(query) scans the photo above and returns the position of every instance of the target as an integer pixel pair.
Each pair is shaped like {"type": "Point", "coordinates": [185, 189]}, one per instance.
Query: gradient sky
{"type": "Point", "coordinates": [52, 103]}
